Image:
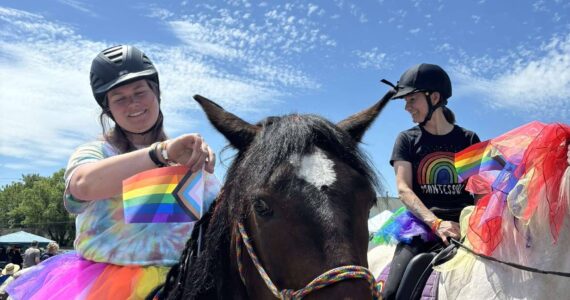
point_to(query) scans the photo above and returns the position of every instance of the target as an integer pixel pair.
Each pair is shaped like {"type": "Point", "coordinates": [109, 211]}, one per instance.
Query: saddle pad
{"type": "Point", "coordinates": [430, 289]}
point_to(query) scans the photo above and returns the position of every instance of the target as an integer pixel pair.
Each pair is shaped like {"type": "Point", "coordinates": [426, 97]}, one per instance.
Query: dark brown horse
{"type": "Point", "coordinates": [294, 206]}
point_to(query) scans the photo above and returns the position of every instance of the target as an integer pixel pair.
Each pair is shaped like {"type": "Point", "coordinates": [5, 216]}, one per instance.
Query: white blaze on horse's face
{"type": "Point", "coordinates": [317, 169]}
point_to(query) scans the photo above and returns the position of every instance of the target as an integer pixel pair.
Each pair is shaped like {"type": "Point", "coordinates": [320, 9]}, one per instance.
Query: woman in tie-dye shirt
{"type": "Point", "coordinates": [114, 259]}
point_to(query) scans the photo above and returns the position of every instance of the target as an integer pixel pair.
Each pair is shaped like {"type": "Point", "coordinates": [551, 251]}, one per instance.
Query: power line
{"type": "Point", "coordinates": [3, 225]}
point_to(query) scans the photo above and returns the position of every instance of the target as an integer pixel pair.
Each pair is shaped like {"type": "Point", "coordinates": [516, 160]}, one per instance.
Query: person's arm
{"type": "Point", "coordinates": [403, 171]}
{"type": "Point", "coordinates": [103, 179]}
{"type": "Point", "coordinates": [568, 155]}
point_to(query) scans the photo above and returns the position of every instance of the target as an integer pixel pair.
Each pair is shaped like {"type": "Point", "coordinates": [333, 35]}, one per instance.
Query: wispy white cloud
{"type": "Point", "coordinates": [225, 33]}
{"type": "Point", "coordinates": [415, 30]}
{"type": "Point", "coordinates": [159, 13]}
{"type": "Point", "coordinates": [233, 34]}
{"type": "Point", "coordinates": [444, 47]}
{"type": "Point", "coordinates": [373, 58]}
{"type": "Point", "coordinates": [48, 85]}
{"type": "Point", "coordinates": [311, 9]}
{"type": "Point", "coordinates": [540, 5]}
{"type": "Point", "coordinates": [79, 5]}
{"type": "Point", "coordinates": [533, 81]}
{"type": "Point", "coordinates": [476, 18]}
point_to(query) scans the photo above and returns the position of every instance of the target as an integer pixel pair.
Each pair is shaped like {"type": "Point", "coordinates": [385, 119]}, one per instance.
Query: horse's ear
{"type": "Point", "coordinates": [357, 124]}
{"type": "Point", "coordinates": [238, 132]}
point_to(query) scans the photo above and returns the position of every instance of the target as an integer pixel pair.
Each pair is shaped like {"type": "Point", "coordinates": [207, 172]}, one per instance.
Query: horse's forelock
{"type": "Point", "coordinates": [295, 136]}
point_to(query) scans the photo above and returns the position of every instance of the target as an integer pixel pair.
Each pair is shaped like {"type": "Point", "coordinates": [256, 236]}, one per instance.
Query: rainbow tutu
{"type": "Point", "coordinates": [403, 226]}
{"type": "Point", "coordinates": [69, 276]}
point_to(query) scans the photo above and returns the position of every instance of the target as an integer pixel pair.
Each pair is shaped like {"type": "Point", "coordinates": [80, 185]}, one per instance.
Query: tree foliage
{"type": "Point", "coordinates": [36, 205]}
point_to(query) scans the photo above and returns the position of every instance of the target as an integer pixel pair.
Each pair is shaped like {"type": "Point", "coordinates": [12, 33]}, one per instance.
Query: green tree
{"type": "Point", "coordinates": [36, 204]}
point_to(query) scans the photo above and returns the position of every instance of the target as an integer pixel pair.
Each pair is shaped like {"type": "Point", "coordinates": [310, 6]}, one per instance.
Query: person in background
{"type": "Point", "coordinates": [7, 276]}
{"type": "Point", "coordinates": [435, 198]}
{"type": "Point", "coordinates": [115, 259]}
{"type": "Point", "coordinates": [52, 249]}
{"type": "Point", "coordinates": [3, 256]}
{"type": "Point", "coordinates": [32, 255]}
{"type": "Point", "coordinates": [16, 256]}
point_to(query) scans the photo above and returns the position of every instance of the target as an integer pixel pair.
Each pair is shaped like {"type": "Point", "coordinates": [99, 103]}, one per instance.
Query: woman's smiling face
{"type": "Point", "coordinates": [134, 106]}
{"type": "Point", "coordinates": [417, 106]}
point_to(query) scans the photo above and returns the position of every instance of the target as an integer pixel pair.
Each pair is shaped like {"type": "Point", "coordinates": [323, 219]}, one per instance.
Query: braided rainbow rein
{"type": "Point", "coordinates": [328, 278]}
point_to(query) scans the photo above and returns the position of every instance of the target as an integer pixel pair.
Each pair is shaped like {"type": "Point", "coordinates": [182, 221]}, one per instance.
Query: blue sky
{"type": "Point", "coordinates": [509, 62]}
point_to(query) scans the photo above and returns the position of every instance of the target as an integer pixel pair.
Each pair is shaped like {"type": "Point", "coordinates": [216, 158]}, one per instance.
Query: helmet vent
{"type": "Point", "coordinates": [146, 60]}
{"type": "Point", "coordinates": [115, 54]}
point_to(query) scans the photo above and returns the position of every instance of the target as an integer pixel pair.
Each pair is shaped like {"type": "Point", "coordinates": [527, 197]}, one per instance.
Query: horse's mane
{"type": "Point", "coordinates": [279, 139]}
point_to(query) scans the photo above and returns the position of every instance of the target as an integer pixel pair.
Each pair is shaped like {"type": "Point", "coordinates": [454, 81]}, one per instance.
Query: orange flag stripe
{"type": "Point", "coordinates": [167, 179]}
{"type": "Point", "coordinates": [156, 176]}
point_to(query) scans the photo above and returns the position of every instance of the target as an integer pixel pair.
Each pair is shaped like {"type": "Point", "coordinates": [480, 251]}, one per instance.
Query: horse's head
{"type": "Point", "coordinates": [301, 191]}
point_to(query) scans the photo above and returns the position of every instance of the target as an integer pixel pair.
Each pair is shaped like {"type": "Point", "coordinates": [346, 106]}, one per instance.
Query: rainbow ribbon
{"type": "Point", "coordinates": [168, 195]}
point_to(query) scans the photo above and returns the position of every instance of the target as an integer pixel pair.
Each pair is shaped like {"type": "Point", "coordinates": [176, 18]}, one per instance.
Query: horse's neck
{"type": "Point", "coordinates": [525, 244]}
{"type": "Point", "coordinates": [532, 244]}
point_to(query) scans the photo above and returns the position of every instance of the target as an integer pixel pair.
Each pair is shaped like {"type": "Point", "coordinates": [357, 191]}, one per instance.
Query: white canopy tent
{"type": "Point", "coordinates": [23, 238]}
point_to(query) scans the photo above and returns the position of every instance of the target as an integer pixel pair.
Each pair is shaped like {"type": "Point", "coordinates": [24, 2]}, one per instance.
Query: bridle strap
{"type": "Point", "coordinates": [328, 278]}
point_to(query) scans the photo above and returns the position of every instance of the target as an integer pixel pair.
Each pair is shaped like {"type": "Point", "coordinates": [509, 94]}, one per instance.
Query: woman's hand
{"type": "Point", "coordinates": [448, 229]}
{"type": "Point", "coordinates": [192, 151]}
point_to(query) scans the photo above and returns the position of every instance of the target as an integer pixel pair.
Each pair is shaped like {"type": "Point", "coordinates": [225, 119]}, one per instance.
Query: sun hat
{"type": "Point", "coordinates": [10, 269]}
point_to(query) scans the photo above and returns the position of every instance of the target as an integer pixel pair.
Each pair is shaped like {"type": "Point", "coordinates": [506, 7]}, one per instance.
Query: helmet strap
{"type": "Point", "coordinates": [384, 81]}
{"type": "Point", "coordinates": [431, 108]}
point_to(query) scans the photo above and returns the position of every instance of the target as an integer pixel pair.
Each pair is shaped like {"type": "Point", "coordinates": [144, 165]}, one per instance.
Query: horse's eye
{"type": "Point", "coordinates": [261, 208]}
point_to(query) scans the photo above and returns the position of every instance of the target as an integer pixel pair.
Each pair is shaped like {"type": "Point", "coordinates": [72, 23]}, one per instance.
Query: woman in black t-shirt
{"type": "Point", "coordinates": [423, 160]}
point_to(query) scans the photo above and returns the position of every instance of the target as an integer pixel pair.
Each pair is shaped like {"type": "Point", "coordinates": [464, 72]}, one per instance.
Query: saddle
{"type": "Point", "coordinates": [420, 281]}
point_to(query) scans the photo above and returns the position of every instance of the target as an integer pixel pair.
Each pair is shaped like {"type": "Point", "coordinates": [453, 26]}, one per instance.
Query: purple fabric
{"type": "Point", "coordinates": [430, 289]}
{"type": "Point", "coordinates": [62, 276]}
{"type": "Point", "coordinates": [402, 227]}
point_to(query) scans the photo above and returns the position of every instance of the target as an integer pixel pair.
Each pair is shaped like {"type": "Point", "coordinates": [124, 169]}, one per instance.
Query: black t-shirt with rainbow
{"type": "Point", "coordinates": [432, 157]}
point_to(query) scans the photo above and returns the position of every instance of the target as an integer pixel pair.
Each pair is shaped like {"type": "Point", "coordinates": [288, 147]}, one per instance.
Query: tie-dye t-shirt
{"type": "Point", "coordinates": [102, 234]}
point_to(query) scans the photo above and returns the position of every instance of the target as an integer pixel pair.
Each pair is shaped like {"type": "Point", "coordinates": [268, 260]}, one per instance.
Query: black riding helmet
{"type": "Point", "coordinates": [116, 66]}
{"type": "Point", "coordinates": [424, 78]}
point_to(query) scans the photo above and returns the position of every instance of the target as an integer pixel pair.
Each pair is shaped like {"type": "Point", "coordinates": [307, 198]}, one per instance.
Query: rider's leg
{"type": "Point", "coordinates": [402, 256]}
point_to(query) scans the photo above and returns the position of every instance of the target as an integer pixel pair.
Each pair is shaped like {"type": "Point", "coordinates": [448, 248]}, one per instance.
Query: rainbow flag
{"type": "Point", "coordinates": [168, 195]}
{"type": "Point", "coordinates": [476, 158]}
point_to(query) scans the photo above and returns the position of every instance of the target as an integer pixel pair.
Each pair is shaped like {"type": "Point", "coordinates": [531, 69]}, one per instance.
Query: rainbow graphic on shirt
{"type": "Point", "coordinates": [437, 168]}
{"type": "Point", "coordinates": [165, 195]}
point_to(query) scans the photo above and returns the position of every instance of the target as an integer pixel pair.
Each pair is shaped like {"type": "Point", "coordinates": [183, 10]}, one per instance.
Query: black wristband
{"type": "Point", "coordinates": [154, 157]}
